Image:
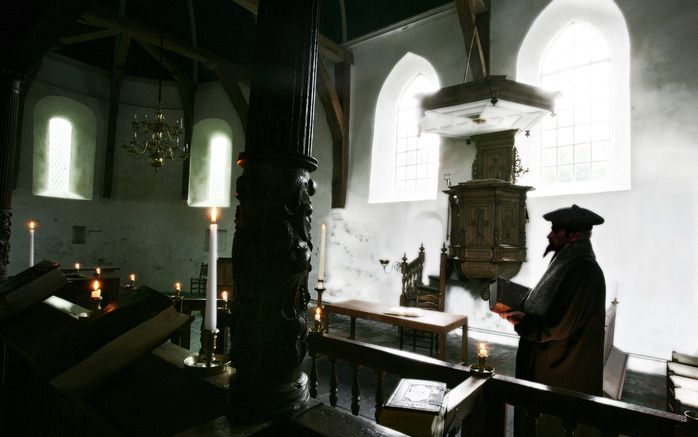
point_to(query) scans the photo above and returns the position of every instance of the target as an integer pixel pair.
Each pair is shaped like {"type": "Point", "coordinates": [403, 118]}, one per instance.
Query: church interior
{"type": "Point", "coordinates": [320, 161]}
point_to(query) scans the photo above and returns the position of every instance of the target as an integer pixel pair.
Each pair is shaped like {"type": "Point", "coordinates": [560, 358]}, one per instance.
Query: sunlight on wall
{"type": "Point", "coordinates": [210, 164]}
{"type": "Point", "coordinates": [65, 134]}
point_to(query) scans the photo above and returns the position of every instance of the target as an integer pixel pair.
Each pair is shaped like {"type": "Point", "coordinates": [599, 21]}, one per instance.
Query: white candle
{"type": "Point", "coordinates": [96, 291]}
{"type": "Point", "coordinates": [32, 225]}
{"type": "Point", "coordinates": [321, 269]}
{"type": "Point", "coordinates": [483, 351]}
{"type": "Point", "coordinates": [211, 292]}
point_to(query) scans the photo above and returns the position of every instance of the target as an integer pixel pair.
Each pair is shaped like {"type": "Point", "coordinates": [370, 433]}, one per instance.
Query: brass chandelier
{"type": "Point", "coordinates": [155, 137]}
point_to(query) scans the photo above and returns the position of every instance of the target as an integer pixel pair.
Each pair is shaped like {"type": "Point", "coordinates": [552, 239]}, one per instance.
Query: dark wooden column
{"type": "Point", "coordinates": [10, 91]}
{"type": "Point", "coordinates": [272, 247]}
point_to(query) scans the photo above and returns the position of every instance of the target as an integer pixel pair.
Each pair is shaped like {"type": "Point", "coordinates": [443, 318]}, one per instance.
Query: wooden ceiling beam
{"type": "Point", "coordinates": [123, 44]}
{"type": "Point", "coordinates": [151, 36]}
{"type": "Point", "coordinates": [90, 36]}
{"type": "Point", "coordinates": [328, 49]}
{"type": "Point", "coordinates": [334, 95]}
{"type": "Point", "coordinates": [471, 39]}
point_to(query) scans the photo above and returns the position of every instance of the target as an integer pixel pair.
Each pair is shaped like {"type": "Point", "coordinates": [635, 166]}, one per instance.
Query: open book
{"type": "Point", "coordinates": [79, 354]}
{"type": "Point", "coordinates": [506, 295]}
{"type": "Point", "coordinates": [29, 287]}
{"type": "Point", "coordinates": [415, 408]}
{"type": "Point", "coordinates": [405, 312]}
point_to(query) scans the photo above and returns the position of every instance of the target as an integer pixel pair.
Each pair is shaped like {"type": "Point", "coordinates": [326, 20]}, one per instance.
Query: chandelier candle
{"type": "Point", "coordinates": [32, 227]}
{"type": "Point", "coordinates": [211, 292]}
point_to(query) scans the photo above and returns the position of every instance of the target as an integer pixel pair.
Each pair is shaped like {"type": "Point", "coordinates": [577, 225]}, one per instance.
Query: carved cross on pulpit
{"type": "Point", "coordinates": [480, 224]}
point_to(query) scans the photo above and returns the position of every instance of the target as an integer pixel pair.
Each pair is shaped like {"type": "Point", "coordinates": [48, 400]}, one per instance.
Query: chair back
{"type": "Point", "coordinates": [203, 271]}
{"type": "Point", "coordinates": [411, 277]}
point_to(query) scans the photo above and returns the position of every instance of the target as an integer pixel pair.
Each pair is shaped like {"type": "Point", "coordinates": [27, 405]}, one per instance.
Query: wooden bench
{"type": "Point", "coordinates": [615, 360]}
{"type": "Point", "coordinates": [682, 383]}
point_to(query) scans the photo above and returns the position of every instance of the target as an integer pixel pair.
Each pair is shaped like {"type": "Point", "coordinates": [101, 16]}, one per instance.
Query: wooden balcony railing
{"type": "Point", "coordinates": [478, 405]}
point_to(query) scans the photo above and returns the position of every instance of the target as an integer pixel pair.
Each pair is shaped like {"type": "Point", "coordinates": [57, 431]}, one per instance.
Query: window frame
{"type": "Point", "coordinates": [605, 17]}
{"type": "Point", "coordinates": [384, 144]}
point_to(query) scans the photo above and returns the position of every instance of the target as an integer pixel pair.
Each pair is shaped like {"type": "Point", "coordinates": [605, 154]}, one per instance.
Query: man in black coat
{"type": "Point", "coordinates": [561, 325]}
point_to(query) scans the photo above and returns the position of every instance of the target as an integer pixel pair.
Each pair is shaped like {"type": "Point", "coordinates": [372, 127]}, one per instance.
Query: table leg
{"type": "Point", "coordinates": [352, 329]}
{"type": "Point", "coordinates": [464, 344]}
{"type": "Point", "coordinates": [442, 346]}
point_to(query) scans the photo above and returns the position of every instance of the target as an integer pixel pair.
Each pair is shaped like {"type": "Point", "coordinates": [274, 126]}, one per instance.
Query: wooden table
{"type": "Point", "coordinates": [432, 321]}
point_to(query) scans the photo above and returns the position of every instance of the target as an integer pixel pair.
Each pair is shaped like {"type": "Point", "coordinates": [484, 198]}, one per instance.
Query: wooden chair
{"type": "Point", "coordinates": [199, 284]}
{"type": "Point", "coordinates": [415, 293]}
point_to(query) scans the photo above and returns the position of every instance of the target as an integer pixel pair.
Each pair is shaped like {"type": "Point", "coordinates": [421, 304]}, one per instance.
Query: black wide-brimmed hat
{"type": "Point", "coordinates": [574, 217]}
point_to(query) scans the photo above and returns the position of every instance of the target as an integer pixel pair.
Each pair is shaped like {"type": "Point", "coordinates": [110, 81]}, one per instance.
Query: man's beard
{"type": "Point", "coordinates": [549, 249]}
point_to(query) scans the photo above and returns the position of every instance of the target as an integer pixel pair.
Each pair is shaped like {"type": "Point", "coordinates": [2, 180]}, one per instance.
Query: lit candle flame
{"type": "Point", "coordinates": [318, 314]}
{"type": "Point", "coordinates": [483, 350]}
{"type": "Point", "coordinates": [32, 225]}
{"type": "Point", "coordinates": [214, 214]}
{"type": "Point", "coordinates": [77, 266]}
{"type": "Point", "coordinates": [178, 286]}
{"type": "Point", "coordinates": [132, 277]}
{"type": "Point", "coordinates": [98, 271]}
{"type": "Point", "coordinates": [95, 285]}
{"type": "Point", "coordinates": [224, 295]}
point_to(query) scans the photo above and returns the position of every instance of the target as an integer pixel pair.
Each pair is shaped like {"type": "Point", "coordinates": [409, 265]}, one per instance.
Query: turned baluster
{"type": "Point", "coordinates": [355, 395]}
{"type": "Point", "coordinates": [379, 392]}
{"type": "Point", "coordinates": [313, 377]}
{"type": "Point", "coordinates": [333, 382]}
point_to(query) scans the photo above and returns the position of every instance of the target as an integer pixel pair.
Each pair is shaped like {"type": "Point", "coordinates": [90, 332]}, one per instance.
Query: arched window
{"type": "Point", "coordinates": [404, 163]}
{"type": "Point", "coordinates": [64, 148]}
{"type": "Point", "coordinates": [210, 164]}
{"type": "Point", "coordinates": [580, 49]}
{"type": "Point", "coordinates": [60, 144]}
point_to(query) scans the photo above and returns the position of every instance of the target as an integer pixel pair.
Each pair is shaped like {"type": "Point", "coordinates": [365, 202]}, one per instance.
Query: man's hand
{"type": "Point", "coordinates": [513, 317]}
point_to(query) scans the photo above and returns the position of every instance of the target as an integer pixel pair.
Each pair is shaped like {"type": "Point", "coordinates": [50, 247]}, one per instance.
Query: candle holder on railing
{"type": "Point", "coordinates": [97, 302]}
{"type": "Point", "coordinates": [481, 368]}
{"type": "Point", "coordinates": [318, 312]}
{"type": "Point", "coordinates": [207, 362]}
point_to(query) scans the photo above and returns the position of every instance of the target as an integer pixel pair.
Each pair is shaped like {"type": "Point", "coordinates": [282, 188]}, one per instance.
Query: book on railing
{"type": "Point", "coordinates": [29, 287]}
{"type": "Point", "coordinates": [415, 407]}
{"type": "Point", "coordinates": [78, 356]}
{"type": "Point", "coordinates": [506, 295]}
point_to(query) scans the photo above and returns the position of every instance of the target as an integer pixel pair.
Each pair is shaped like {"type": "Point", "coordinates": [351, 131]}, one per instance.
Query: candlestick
{"type": "Point", "coordinates": [32, 226]}
{"type": "Point", "coordinates": [321, 268]}
{"type": "Point", "coordinates": [211, 289]}
{"type": "Point", "coordinates": [481, 369]}
{"type": "Point", "coordinates": [207, 362]}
